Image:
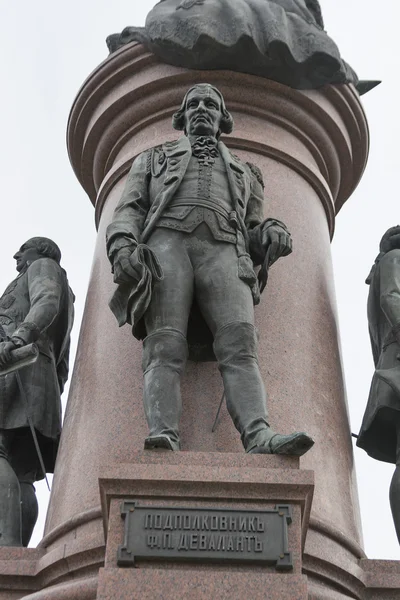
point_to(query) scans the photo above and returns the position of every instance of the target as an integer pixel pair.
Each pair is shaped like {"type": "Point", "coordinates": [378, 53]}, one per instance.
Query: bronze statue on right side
{"type": "Point", "coordinates": [380, 430]}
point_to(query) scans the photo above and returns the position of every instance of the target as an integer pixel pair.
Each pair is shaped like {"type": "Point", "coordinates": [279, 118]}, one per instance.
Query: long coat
{"type": "Point", "coordinates": [37, 307]}
{"type": "Point", "coordinates": [152, 182]}
{"type": "Point", "coordinates": [378, 431]}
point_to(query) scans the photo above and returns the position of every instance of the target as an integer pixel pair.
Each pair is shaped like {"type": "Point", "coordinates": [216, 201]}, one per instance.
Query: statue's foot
{"type": "Point", "coordinates": [160, 442]}
{"type": "Point", "coordinates": [294, 444]}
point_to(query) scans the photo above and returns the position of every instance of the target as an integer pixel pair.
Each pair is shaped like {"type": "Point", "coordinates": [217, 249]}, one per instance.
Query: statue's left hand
{"type": "Point", "coordinates": [5, 352]}
{"type": "Point", "coordinates": [278, 240]}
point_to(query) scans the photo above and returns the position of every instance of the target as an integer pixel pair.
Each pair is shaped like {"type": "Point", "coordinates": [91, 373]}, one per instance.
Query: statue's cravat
{"type": "Point", "coordinates": [205, 149]}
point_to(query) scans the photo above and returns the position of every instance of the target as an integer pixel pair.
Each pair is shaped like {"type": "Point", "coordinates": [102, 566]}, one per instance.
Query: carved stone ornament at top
{"type": "Point", "coordinates": [282, 40]}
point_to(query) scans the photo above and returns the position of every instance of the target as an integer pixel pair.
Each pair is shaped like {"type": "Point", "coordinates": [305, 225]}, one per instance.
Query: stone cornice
{"type": "Point", "coordinates": [321, 134]}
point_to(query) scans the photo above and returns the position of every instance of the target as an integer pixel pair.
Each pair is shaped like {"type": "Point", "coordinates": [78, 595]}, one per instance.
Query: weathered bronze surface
{"type": "Point", "coordinates": [283, 40]}
{"type": "Point", "coordinates": [380, 430]}
{"type": "Point", "coordinates": [37, 307]}
{"type": "Point", "coordinates": [183, 242]}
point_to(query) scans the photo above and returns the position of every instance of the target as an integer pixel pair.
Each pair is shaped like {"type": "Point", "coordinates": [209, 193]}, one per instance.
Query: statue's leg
{"type": "Point", "coordinates": [394, 493]}
{"type": "Point", "coordinates": [10, 495]}
{"type": "Point", "coordinates": [235, 348]}
{"type": "Point", "coordinates": [26, 464]}
{"type": "Point", "coordinates": [29, 508]}
{"type": "Point", "coordinates": [164, 359]}
{"type": "Point", "coordinates": [227, 305]}
{"type": "Point", "coordinates": [165, 347]}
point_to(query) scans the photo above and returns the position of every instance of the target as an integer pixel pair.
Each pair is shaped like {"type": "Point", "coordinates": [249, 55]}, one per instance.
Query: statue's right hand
{"type": "Point", "coordinates": [124, 271]}
{"type": "Point", "coordinates": [5, 352]}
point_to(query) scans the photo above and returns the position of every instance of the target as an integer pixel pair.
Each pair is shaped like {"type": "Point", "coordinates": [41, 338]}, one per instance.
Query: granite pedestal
{"type": "Point", "coordinates": [226, 481]}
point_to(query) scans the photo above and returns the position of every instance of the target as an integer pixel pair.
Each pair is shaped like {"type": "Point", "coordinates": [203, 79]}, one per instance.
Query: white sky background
{"type": "Point", "coordinates": [49, 47]}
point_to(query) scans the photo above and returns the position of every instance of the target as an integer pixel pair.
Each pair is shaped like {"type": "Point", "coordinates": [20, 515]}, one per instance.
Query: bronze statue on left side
{"type": "Point", "coordinates": [36, 310]}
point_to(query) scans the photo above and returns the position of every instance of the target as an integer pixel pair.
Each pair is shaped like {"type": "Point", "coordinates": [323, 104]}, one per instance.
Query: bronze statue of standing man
{"type": "Point", "coordinates": [37, 307]}
{"type": "Point", "coordinates": [380, 429]}
{"type": "Point", "coordinates": [184, 239]}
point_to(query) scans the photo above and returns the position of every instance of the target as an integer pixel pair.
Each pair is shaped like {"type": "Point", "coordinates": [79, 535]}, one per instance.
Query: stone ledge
{"type": "Point", "coordinates": [224, 477]}
{"type": "Point", "coordinates": [18, 571]}
{"type": "Point", "coordinates": [382, 579]}
{"type": "Point", "coordinates": [205, 480]}
{"type": "Point", "coordinates": [21, 569]}
{"type": "Point", "coordinates": [192, 584]}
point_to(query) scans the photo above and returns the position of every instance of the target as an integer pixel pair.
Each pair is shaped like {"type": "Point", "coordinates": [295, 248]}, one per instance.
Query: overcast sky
{"type": "Point", "coordinates": [49, 47]}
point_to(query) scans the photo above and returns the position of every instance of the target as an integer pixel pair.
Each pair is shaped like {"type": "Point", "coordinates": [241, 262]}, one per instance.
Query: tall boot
{"type": "Point", "coordinates": [235, 347]}
{"type": "Point", "coordinates": [394, 490]}
{"type": "Point", "coordinates": [165, 354]}
{"type": "Point", "coordinates": [10, 505]}
{"type": "Point", "coordinates": [29, 510]}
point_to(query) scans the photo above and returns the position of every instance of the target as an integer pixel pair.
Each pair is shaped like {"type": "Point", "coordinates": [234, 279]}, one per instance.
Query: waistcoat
{"type": "Point", "coordinates": [203, 197]}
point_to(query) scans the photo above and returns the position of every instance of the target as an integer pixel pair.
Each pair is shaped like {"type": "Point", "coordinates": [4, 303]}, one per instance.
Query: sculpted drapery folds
{"type": "Point", "coordinates": [183, 242]}
{"type": "Point", "coordinates": [282, 40]}
{"type": "Point", "coordinates": [37, 307]}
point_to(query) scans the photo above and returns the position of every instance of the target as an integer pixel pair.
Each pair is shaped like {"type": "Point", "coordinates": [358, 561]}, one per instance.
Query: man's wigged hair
{"type": "Point", "coordinates": [178, 119]}
{"type": "Point", "coordinates": [390, 239]}
{"type": "Point", "coordinates": [45, 247]}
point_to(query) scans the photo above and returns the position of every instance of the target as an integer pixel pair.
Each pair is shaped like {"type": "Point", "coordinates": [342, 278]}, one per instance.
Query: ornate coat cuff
{"type": "Point", "coordinates": [256, 248]}
{"type": "Point", "coordinates": [119, 243]}
{"type": "Point", "coordinates": [27, 333]}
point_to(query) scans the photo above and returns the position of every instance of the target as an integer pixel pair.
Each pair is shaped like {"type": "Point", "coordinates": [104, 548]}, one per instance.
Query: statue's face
{"type": "Point", "coordinates": [203, 112]}
{"type": "Point", "coordinates": [26, 255]}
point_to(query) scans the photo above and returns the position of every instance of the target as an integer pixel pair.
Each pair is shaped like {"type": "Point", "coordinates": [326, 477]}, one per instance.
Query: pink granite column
{"type": "Point", "coordinates": [311, 147]}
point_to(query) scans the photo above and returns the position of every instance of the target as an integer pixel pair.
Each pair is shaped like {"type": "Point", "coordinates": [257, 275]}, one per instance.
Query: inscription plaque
{"type": "Point", "coordinates": [206, 535]}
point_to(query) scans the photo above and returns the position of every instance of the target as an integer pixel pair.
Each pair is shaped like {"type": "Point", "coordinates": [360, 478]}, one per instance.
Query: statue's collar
{"type": "Point", "coordinates": [203, 140]}
{"type": "Point", "coordinates": [204, 148]}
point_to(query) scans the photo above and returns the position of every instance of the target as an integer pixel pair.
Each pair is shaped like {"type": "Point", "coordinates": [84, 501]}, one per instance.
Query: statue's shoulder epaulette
{"type": "Point", "coordinates": [257, 173]}
{"type": "Point", "coordinates": [149, 154]}
{"type": "Point", "coordinates": [156, 161]}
